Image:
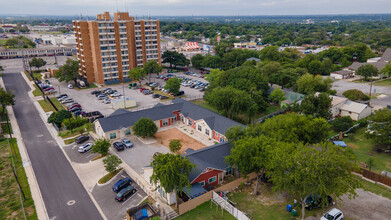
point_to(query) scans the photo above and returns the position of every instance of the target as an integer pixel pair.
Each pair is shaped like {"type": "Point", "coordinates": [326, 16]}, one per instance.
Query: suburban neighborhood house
{"type": "Point", "coordinates": [211, 168]}
{"type": "Point", "coordinates": [378, 62]}
{"type": "Point", "coordinates": [120, 123]}
{"type": "Point", "coordinates": [341, 106]}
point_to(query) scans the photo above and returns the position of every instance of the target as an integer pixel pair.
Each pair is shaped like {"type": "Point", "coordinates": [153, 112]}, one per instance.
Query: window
{"type": "Point", "coordinates": [165, 122]}
{"type": "Point", "coordinates": [113, 135]}
{"type": "Point", "coordinates": [190, 122]}
{"type": "Point", "coordinates": [207, 131]}
{"type": "Point", "coordinates": [228, 171]}
{"type": "Point", "coordinates": [128, 132]}
{"type": "Point", "coordinates": [199, 128]}
{"type": "Point", "coordinates": [212, 179]}
{"type": "Point", "coordinates": [202, 183]}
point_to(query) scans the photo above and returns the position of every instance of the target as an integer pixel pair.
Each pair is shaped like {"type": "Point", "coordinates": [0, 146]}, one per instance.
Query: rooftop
{"type": "Point", "coordinates": [353, 107]}
{"type": "Point", "coordinates": [337, 100]}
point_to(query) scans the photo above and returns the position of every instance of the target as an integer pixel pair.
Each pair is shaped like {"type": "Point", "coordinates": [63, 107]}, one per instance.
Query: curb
{"type": "Point", "coordinates": [36, 194]}
{"type": "Point", "coordinates": [106, 183]}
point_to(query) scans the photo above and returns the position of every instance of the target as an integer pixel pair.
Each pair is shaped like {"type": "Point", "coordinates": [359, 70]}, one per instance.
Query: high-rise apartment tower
{"type": "Point", "coordinates": [108, 48]}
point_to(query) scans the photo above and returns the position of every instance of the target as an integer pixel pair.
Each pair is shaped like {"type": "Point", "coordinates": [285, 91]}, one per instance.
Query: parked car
{"type": "Point", "coordinates": [78, 113]}
{"type": "Point", "coordinates": [107, 101]}
{"type": "Point", "coordinates": [63, 98]}
{"type": "Point", "coordinates": [100, 97]}
{"type": "Point", "coordinates": [85, 147]}
{"type": "Point", "coordinates": [68, 100]}
{"type": "Point", "coordinates": [122, 183]}
{"type": "Point", "coordinates": [116, 94]}
{"type": "Point", "coordinates": [314, 201]}
{"type": "Point", "coordinates": [70, 86]}
{"type": "Point", "coordinates": [62, 95]}
{"type": "Point", "coordinates": [118, 146]}
{"type": "Point", "coordinates": [127, 143]}
{"type": "Point", "coordinates": [147, 92]}
{"type": "Point", "coordinates": [95, 92]}
{"type": "Point", "coordinates": [73, 103]}
{"type": "Point", "coordinates": [98, 94]}
{"type": "Point", "coordinates": [156, 96]}
{"type": "Point", "coordinates": [163, 97]}
{"type": "Point", "coordinates": [125, 193]}
{"type": "Point", "coordinates": [74, 106]}
{"type": "Point", "coordinates": [82, 138]}
{"type": "Point", "coordinates": [141, 90]}
{"type": "Point", "coordinates": [74, 109]}
{"type": "Point", "coordinates": [180, 93]}
{"type": "Point", "coordinates": [107, 91]}
{"type": "Point", "coordinates": [333, 214]}
{"type": "Point", "coordinates": [48, 89]}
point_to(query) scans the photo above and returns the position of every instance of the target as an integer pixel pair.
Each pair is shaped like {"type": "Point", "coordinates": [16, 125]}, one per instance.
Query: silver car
{"type": "Point", "coordinates": [127, 143]}
{"type": "Point", "coordinates": [85, 147]}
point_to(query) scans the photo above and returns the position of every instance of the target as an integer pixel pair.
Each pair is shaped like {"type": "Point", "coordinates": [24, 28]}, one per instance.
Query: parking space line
{"type": "Point", "coordinates": [130, 198]}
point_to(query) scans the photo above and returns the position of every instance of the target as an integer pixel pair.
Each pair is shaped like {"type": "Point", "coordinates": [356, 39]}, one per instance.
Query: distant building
{"type": "Point", "coordinates": [108, 48]}
{"type": "Point", "coordinates": [342, 74]}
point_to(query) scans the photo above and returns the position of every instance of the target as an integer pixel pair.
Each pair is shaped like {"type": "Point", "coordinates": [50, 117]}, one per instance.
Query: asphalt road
{"type": "Point", "coordinates": [62, 191]}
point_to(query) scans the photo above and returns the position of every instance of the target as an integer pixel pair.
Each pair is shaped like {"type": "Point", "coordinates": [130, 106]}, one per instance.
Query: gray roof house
{"type": "Point", "coordinates": [164, 115]}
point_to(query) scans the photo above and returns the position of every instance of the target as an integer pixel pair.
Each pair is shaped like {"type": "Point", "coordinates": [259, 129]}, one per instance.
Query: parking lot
{"type": "Point", "coordinates": [140, 155]}
{"type": "Point", "coordinates": [104, 195]}
{"type": "Point", "coordinates": [78, 157]}
{"type": "Point", "coordinates": [91, 103]}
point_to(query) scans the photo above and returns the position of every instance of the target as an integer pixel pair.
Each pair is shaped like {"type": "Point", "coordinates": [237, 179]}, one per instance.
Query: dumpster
{"type": "Point", "coordinates": [289, 208]}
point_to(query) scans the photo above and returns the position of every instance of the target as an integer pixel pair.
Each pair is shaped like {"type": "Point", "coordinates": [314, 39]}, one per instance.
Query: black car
{"type": "Point", "coordinates": [122, 183]}
{"type": "Point", "coordinates": [125, 193]}
{"type": "Point", "coordinates": [95, 92]}
{"type": "Point", "coordinates": [180, 93]}
{"type": "Point", "coordinates": [119, 146]}
{"type": "Point", "coordinates": [155, 96]}
{"type": "Point", "coordinates": [82, 138]}
{"type": "Point", "coordinates": [74, 109]}
{"type": "Point", "coordinates": [163, 97]}
{"type": "Point", "coordinates": [315, 201]}
{"type": "Point", "coordinates": [62, 95]}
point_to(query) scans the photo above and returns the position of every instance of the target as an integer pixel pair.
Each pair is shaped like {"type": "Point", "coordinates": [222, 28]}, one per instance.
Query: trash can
{"type": "Point", "coordinates": [294, 212]}
{"type": "Point", "coordinates": [289, 208]}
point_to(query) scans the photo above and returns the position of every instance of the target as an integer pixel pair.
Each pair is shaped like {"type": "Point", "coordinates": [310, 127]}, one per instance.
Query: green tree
{"type": "Point", "coordinates": [386, 70]}
{"type": "Point", "coordinates": [59, 117]}
{"type": "Point", "coordinates": [270, 53]}
{"type": "Point", "coordinates": [196, 60]}
{"type": "Point", "coordinates": [6, 99]}
{"type": "Point", "coordinates": [11, 42]}
{"type": "Point", "coordinates": [37, 62]}
{"type": "Point", "coordinates": [137, 74]}
{"type": "Point", "coordinates": [175, 145]}
{"type": "Point", "coordinates": [323, 170]}
{"type": "Point", "coordinates": [277, 95]}
{"type": "Point", "coordinates": [341, 123]}
{"type": "Point", "coordinates": [173, 85]}
{"type": "Point", "coordinates": [101, 146]}
{"type": "Point", "coordinates": [286, 78]}
{"type": "Point", "coordinates": [251, 154]}
{"type": "Point", "coordinates": [379, 128]}
{"type": "Point", "coordinates": [367, 70]}
{"type": "Point", "coordinates": [151, 67]}
{"type": "Point", "coordinates": [308, 84]}
{"type": "Point", "coordinates": [69, 71]}
{"type": "Point", "coordinates": [270, 68]}
{"type": "Point", "coordinates": [170, 172]}
{"type": "Point", "coordinates": [174, 59]}
{"type": "Point", "coordinates": [317, 105]}
{"type": "Point", "coordinates": [145, 127]}
{"type": "Point", "coordinates": [355, 94]}
{"type": "Point", "coordinates": [111, 163]}
{"type": "Point", "coordinates": [315, 67]}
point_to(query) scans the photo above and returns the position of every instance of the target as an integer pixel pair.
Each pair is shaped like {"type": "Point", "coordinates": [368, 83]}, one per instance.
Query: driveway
{"type": "Point", "coordinates": [114, 210]}
{"type": "Point", "coordinates": [343, 85]}
{"type": "Point", "coordinates": [140, 155]}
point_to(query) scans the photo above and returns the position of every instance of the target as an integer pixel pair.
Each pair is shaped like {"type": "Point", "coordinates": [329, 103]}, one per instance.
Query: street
{"type": "Point", "coordinates": [62, 191]}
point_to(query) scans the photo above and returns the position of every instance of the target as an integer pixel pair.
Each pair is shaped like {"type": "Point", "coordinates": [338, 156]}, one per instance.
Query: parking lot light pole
{"type": "Point", "coordinates": [123, 92]}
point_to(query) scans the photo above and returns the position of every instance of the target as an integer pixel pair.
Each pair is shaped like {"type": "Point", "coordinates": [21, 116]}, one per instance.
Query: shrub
{"type": "Point", "coordinates": [75, 122]}
{"type": "Point", "coordinates": [111, 163]}
{"type": "Point", "coordinates": [355, 94]}
{"type": "Point", "coordinates": [341, 124]}
{"type": "Point", "coordinates": [175, 145]}
{"type": "Point", "coordinates": [145, 127]}
{"type": "Point", "coordinates": [101, 146]}
{"type": "Point", "coordinates": [59, 117]}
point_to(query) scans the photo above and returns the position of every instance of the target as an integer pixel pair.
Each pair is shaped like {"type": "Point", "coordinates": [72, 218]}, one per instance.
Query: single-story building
{"type": "Point", "coordinates": [120, 123]}
{"type": "Point", "coordinates": [342, 74]}
{"type": "Point", "coordinates": [355, 110]}
{"type": "Point", "coordinates": [336, 104]}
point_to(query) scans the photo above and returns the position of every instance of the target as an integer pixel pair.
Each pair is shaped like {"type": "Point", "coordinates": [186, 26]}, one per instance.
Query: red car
{"type": "Point", "coordinates": [48, 89]}
{"type": "Point", "coordinates": [74, 106]}
{"type": "Point", "coordinates": [141, 90]}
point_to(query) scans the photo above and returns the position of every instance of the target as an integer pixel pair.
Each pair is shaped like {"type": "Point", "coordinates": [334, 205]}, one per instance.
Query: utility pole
{"type": "Point", "coordinates": [370, 89]}
{"type": "Point", "coordinates": [123, 92]}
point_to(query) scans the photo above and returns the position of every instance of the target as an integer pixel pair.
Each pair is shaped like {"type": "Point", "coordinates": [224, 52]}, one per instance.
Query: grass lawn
{"type": "Point", "coordinates": [28, 76]}
{"type": "Point", "coordinates": [69, 141]}
{"type": "Point", "coordinates": [270, 109]}
{"type": "Point", "coordinates": [386, 82]}
{"type": "Point", "coordinates": [205, 211]}
{"type": "Point", "coordinates": [376, 188]}
{"type": "Point", "coordinates": [2, 42]}
{"type": "Point", "coordinates": [10, 206]}
{"type": "Point", "coordinates": [37, 91]}
{"type": "Point", "coordinates": [108, 177]}
{"type": "Point", "coordinates": [76, 131]}
{"type": "Point", "coordinates": [47, 107]}
{"type": "Point", "coordinates": [362, 149]}
{"type": "Point", "coordinates": [4, 128]}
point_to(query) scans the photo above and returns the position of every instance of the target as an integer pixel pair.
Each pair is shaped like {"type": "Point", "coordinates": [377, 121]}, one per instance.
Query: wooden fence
{"type": "Point", "coordinates": [193, 203]}
{"type": "Point", "coordinates": [376, 177]}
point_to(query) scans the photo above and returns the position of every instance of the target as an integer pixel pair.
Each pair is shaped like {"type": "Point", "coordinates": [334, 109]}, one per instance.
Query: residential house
{"type": "Point", "coordinates": [120, 123]}
{"type": "Point", "coordinates": [355, 110]}
{"type": "Point", "coordinates": [336, 104]}
{"type": "Point", "coordinates": [386, 55]}
{"type": "Point", "coordinates": [342, 74]}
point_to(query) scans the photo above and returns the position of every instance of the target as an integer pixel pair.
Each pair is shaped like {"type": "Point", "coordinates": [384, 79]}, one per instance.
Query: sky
{"type": "Point", "coordinates": [194, 7]}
